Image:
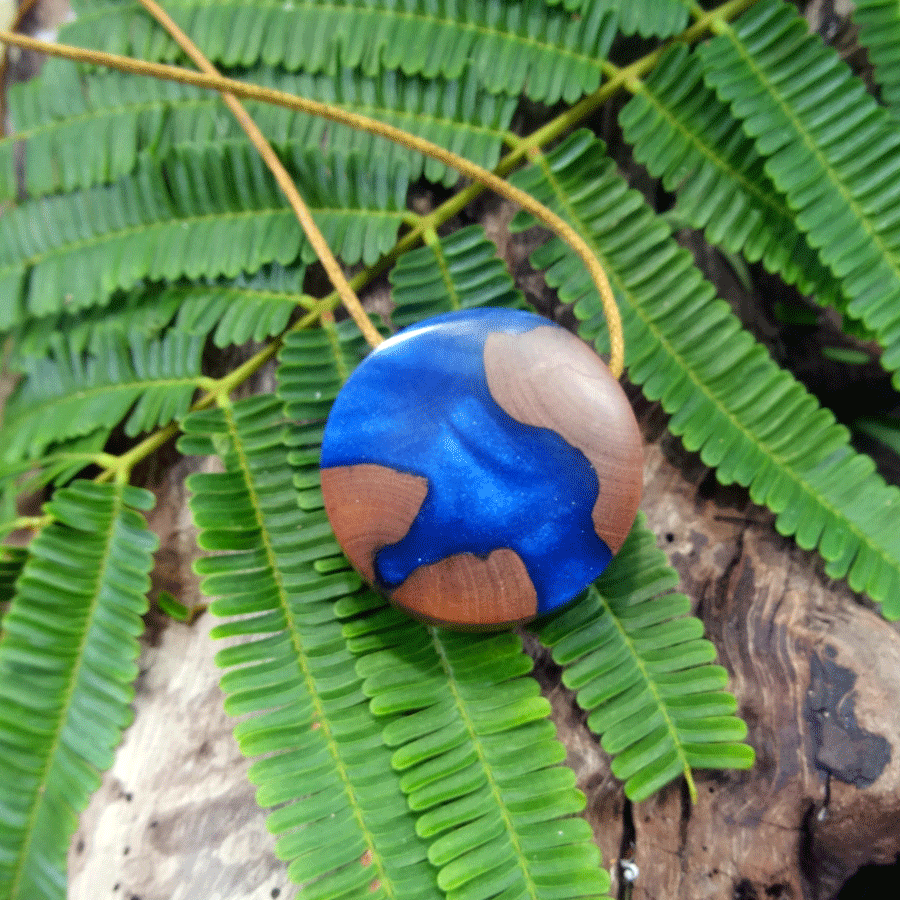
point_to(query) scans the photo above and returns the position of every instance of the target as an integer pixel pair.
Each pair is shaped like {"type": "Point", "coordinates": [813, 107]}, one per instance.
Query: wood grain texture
{"type": "Point", "coordinates": [549, 378]}
{"type": "Point", "coordinates": [468, 591]}
{"type": "Point", "coordinates": [370, 507]}
{"type": "Point", "coordinates": [802, 652]}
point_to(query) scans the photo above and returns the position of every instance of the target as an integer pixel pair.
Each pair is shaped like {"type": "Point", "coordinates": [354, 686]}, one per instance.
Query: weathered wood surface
{"type": "Point", "coordinates": [816, 674]}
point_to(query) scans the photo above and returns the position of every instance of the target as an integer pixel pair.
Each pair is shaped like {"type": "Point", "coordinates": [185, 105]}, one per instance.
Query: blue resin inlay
{"type": "Point", "coordinates": [420, 404]}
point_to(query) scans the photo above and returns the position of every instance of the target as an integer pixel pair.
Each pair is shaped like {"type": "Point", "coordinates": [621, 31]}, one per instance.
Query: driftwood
{"type": "Point", "coordinates": [816, 673]}
{"type": "Point", "coordinates": [817, 676]}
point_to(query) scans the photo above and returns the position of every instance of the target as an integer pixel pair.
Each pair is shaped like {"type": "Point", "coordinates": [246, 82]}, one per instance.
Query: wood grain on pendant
{"type": "Point", "coordinates": [549, 378]}
{"type": "Point", "coordinates": [370, 507]}
{"type": "Point", "coordinates": [470, 591]}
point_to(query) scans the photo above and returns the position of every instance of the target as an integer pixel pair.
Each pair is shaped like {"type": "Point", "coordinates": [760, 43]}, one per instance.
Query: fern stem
{"type": "Point", "coordinates": [25, 523]}
{"type": "Point", "coordinates": [285, 182]}
{"type": "Point", "coordinates": [362, 123]}
{"type": "Point", "coordinates": [121, 466]}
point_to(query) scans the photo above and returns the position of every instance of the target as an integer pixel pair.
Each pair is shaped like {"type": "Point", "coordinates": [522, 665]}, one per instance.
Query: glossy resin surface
{"type": "Point", "coordinates": [481, 467]}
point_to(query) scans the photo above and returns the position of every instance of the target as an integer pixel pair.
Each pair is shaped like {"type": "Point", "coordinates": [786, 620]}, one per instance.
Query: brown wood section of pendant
{"type": "Point", "coordinates": [469, 591]}
{"type": "Point", "coordinates": [370, 507]}
{"type": "Point", "coordinates": [549, 378]}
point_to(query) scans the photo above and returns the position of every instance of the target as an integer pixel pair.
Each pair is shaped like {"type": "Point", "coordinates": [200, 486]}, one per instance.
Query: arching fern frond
{"type": "Point", "coordinates": [202, 214]}
{"type": "Point", "coordinates": [58, 464]}
{"type": "Point", "coordinates": [829, 147]}
{"type": "Point", "coordinates": [290, 673]}
{"type": "Point", "coordinates": [515, 46]}
{"type": "Point", "coordinates": [648, 18]}
{"type": "Point", "coordinates": [653, 18]}
{"type": "Point", "coordinates": [686, 136]}
{"type": "Point", "coordinates": [642, 670]}
{"type": "Point", "coordinates": [247, 308]}
{"type": "Point", "coordinates": [12, 561]}
{"type": "Point", "coordinates": [478, 760]}
{"type": "Point", "coordinates": [879, 33]}
{"type": "Point", "coordinates": [67, 663]}
{"type": "Point", "coordinates": [727, 399]}
{"type": "Point", "coordinates": [109, 119]}
{"type": "Point", "coordinates": [460, 271]}
{"type": "Point", "coordinates": [314, 365]}
{"type": "Point", "coordinates": [68, 394]}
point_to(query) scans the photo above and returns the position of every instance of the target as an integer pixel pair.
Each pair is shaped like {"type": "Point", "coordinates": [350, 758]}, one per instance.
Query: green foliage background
{"type": "Point", "coordinates": [144, 228]}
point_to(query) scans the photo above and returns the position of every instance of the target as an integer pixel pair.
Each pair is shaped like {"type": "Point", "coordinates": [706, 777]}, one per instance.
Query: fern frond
{"type": "Point", "coordinates": [58, 464]}
{"type": "Point", "coordinates": [314, 364]}
{"type": "Point", "coordinates": [200, 215]}
{"type": "Point", "coordinates": [879, 33]}
{"type": "Point", "coordinates": [290, 673]}
{"type": "Point", "coordinates": [748, 418]}
{"type": "Point", "coordinates": [67, 662]}
{"type": "Point", "coordinates": [829, 148]}
{"type": "Point", "coordinates": [515, 46]}
{"type": "Point", "coordinates": [81, 128]}
{"type": "Point", "coordinates": [686, 136]}
{"type": "Point", "coordinates": [247, 308]}
{"type": "Point", "coordinates": [648, 18]}
{"type": "Point", "coordinates": [642, 670]}
{"type": "Point", "coordinates": [478, 760]}
{"type": "Point", "coordinates": [653, 18]}
{"type": "Point", "coordinates": [69, 394]}
{"type": "Point", "coordinates": [460, 271]}
{"type": "Point", "coordinates": [98, 136]}
{"type": "Point", "coordinates": [12, 561]}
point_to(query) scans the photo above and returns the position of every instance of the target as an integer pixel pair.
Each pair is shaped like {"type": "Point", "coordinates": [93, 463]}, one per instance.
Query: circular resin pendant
{"type": "Point", "coordinates": [481, 468]}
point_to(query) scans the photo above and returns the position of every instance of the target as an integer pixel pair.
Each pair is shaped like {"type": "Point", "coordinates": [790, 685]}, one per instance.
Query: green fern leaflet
{"type": "Point", "coordinates": [67, 662]}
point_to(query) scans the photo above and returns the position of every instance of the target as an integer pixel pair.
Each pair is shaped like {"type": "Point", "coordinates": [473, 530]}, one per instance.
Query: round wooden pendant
{"type": "Point", "coordinates": [481, 468]}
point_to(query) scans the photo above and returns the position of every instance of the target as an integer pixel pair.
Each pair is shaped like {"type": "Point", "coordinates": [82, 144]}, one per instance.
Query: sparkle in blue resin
{"type": "Point", "coordinates": [420, 404]}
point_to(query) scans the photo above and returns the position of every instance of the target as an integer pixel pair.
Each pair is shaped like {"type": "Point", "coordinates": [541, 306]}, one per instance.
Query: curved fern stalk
{"type": "Point", "coordinates": [203, 214]}
{"type": "Point", "coordinates": [748, 418]}
{"type": "Point", "coordinates": [514, 46]}
{"type": "Point", "coordinates": [67, 663]}
{"type": "Point", "coordinates": [642, 670]}
{"type": "Point", "coordinates": [341, 821]}
{"type": "Point", "coordinates": [686, 136]}
{"type": "Point", "coordinates": [110, 119]}
{"type": "Point", "coordinates": [879, 33]}
{"type": "Point", "coordinates": [67, 395]}
{"type": "Point", "coordinates": [829, 148]}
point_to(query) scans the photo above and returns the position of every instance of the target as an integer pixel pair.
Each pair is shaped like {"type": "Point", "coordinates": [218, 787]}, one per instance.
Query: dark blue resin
{"type": "Point", "coordinates": [420, 404]}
